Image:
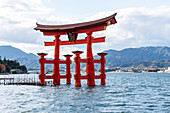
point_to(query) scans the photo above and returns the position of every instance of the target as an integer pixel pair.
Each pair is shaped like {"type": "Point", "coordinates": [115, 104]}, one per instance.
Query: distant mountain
{"type": "Point", "coordinates": [27, 59]}
{"type": "Point", "coordinates": [136, 57]}
{"type": "Point", "coordinates": [12, 52]}
{"type": "Point", "coordinates": [130, 56]}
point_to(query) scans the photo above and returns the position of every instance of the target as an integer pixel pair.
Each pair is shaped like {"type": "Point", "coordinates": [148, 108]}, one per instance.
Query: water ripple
{"type": "Point", "coordinates": [123, 93]}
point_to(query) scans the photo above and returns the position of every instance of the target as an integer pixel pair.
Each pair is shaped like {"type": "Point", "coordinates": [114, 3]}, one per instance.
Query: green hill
{"type": "Point", "coordinates": [6, 66]}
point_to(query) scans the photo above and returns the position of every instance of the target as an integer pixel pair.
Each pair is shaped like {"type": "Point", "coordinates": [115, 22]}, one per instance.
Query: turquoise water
{"type": "Point", "coordinates": [123, 92]}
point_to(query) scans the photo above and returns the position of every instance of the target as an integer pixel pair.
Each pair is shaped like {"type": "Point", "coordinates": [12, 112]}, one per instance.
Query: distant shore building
{"type": "Point", "coordinates": [168, 70]}
{"type": "Point", "coordinates": [16, 71]}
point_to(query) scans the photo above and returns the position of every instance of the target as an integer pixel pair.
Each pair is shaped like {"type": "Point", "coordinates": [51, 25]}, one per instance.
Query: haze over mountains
{"type": "Point", "coordinates": [143, 57]}
{"type": "Point", "coordinates": [27, 59]}
{"type": "Point", "coordinates": [139, 56]}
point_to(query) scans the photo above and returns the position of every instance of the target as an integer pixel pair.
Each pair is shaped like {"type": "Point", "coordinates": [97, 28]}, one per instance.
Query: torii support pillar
{"type": "Point", "coordinates": [77, 75]}
{"type": "Point", "coordinates": [42, 74]}
{"type": "Point", "coordinates": [56, 69]}
{"type": "Point", "coordinates": [103, 61]}
{"type": "Point", "coordinates": [90, 64]}
{"type": "Point", "coordinates": [68, 73]}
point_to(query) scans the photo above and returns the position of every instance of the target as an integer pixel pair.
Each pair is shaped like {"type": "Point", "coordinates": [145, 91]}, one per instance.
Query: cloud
{"type": "Point", "coordinates": [18, 18]}
{"type": "Point", "coordinates": [136, 27]}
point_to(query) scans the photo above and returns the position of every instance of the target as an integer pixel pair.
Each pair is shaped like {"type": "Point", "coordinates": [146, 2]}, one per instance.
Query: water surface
{"type": "Point", "coordinates": [123, 92]}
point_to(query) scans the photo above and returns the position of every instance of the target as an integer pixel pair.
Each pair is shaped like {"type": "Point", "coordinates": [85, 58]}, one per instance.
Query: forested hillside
{"type": "Point", "coordinates": [7, 65]}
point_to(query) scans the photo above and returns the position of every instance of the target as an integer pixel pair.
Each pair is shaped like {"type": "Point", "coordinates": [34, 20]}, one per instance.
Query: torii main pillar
{"type": "Point", "coordinates": [90, 64]}
{"type": "Point", "coordinates": [56, 69]}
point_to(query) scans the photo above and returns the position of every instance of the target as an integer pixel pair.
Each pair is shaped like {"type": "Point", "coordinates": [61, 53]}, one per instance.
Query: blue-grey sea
{"type": "Point", "coordinates": [123, 93]}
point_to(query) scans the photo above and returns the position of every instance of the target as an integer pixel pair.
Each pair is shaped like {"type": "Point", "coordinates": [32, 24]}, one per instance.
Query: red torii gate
{"type": "Point", "coordinates": [72, 30]}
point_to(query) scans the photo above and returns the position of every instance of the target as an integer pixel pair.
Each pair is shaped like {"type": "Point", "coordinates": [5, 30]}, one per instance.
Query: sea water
{"type": "Point", "coordinates": [123, 93]}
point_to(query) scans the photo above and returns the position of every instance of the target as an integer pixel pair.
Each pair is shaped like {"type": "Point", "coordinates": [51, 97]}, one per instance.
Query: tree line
{"type": "Point", "coordinates": [7, 65]}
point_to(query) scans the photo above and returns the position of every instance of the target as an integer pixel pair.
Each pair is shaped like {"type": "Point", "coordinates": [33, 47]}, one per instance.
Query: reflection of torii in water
{"type": "Point", "coordinates": [72, 30]}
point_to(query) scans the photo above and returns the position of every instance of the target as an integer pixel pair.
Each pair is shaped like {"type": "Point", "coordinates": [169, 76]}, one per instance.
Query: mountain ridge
{"type": "Point", "coordinates": [132, 55]}
{"type": "Point", "coordinates": [12, 53]}
{"type": "Point", "coordinates": [115, 58]}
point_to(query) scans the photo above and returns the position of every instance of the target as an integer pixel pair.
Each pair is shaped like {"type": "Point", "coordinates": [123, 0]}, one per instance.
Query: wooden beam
{"type": "Point", "coordinates": [83, 60]}
{"type": "Point", "coordinates": [83, 77]}
{"type": "Point", "coordinates": [48, 77]}
{"type": "Point", "coordinates": [82, 41]}
{"type": "Point", "coordinates": [98, 40]}
{"type": "Point", "coordinates": [97, 61]}
{"type": "Point", "coordinates": [62, 62]}
{"type": "Point", "coordinates": [63, 76]}
{"type": "Point", "coordinates": [95, 28]}
{"type": "Point", "coordinates": [49, 61]}
{"type": "Point", "coordinates": [97, 77]}
{"type": "Point", "coordinates": [49, 43]}
{"type": "Point", "coordinates": [86, 77]}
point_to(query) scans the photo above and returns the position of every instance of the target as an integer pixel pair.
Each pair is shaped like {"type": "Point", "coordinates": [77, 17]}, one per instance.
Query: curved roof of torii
{"type": "Point", "coordinates": [69, 27]}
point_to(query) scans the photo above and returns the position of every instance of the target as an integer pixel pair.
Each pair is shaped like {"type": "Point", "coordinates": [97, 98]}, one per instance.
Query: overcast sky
{"type": "Point", "coordinates": [140, 23]}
